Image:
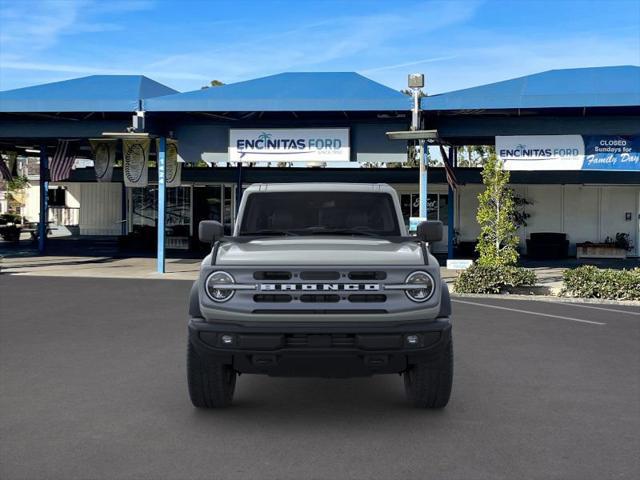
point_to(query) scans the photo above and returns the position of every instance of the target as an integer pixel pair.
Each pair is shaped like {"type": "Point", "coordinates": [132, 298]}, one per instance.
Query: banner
{"type": "Point", "coordinates": [104, 157]}
{"type": "Point", "coordinates": [540, 152]}
{"type": "Point", "coordinates": [289, 145]}
{"type": "Point", "coordinates": [569, 152]}
{"type": "Point", "coordinates": [173, 166]}
{"type": "Point", "coordinates": [610, 152]}
{"type": "Point", "coordinates": [135, 154]}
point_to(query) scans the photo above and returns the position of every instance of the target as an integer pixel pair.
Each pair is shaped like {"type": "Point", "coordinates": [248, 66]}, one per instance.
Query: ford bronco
{"type": "Point", "coordinates": [319, 280]}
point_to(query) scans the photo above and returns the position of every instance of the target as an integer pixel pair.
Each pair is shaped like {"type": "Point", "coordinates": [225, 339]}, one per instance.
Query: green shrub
{"type": "Point", "coordinates": [493, 279]}
{"type": "Point", "coordinates": [592, 282]}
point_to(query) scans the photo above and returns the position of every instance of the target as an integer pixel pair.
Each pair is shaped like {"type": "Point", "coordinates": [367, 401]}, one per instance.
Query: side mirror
{"type": "Point", "coordinates": [209, 231]}
{"type": "Point", "coordinates": [430, 231]}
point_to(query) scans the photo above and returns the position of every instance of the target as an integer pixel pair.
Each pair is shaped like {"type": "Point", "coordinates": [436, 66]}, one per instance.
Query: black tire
{"type": "Point", "coordinates": [211, 384]}
{"type": "Point", "coordinates": [428, 384]}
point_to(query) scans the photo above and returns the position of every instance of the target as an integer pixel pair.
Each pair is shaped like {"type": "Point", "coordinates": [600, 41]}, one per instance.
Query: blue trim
{"type": "Point", "coordinates": [162, 191]}
{"type": "Point", "coordinates": [424, 182]}
{"type": "Point", "coordinates": [453, 158]}
{"type": "Point", "coordinates": [238, 187]}
{"type": "Point", "coordinates": [44, 199]}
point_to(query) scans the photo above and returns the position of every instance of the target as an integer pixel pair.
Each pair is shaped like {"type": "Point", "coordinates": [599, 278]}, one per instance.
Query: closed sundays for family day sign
{"type": "Point", "coordinates": [289, 145]}
{"type": "Point", "coordinates": [569, 152]}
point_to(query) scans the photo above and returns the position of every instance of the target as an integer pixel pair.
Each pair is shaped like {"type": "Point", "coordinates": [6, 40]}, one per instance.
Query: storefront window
{"type": "Point", "coordinates": [437, 204]}
{"type": "Point", "coordinates": [432, 206]}
{"type": "Point", "coordinates": [144, 214]}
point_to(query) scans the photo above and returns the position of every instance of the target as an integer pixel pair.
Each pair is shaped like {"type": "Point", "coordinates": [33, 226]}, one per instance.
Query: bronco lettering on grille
{"type": "Point", "coordinates": [325, 287]}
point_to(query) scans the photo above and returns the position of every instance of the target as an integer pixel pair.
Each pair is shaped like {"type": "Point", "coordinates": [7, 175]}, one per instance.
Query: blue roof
{"type": "Point", "coordinates": [298, 92]}
{"type": "Point", "coordinates": [96, 93]}
{"type": "Point", "coordinates": [577, 87]}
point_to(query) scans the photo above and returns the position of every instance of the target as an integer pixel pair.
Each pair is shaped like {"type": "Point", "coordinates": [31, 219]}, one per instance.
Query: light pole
{"type": "Point", "coordinates": [416, 83]}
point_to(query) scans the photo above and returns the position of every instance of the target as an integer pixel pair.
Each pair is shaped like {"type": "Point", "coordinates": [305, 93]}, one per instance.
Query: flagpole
{"type": "Point", "coordinates": [44, 199]}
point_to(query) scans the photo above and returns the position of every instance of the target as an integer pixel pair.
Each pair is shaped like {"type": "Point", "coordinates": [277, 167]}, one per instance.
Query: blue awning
{"type": "Point", "coordinates": [96, 93]}
{"type": "Point", "coordinates": [570, 88]}
{"type": "Point", "coordinates": [288, 92]}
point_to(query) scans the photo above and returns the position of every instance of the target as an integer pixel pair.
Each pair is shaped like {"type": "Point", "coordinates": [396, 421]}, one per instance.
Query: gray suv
{"type": "Point", "coordinates": [319, 280]}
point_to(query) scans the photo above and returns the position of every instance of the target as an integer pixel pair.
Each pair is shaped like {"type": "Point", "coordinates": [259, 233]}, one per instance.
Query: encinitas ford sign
{"type": "Point", "coordinates": [289, 145]}
{"type": "Point", "coordinates": [541, 152]}
{"type": "Point", "coordinates": [569, 152]}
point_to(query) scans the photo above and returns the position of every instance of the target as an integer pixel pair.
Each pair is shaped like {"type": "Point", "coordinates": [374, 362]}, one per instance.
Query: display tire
{"type": "Point", "coordinates": [211, 383]}
{"type": "Point", "coordinates": [428, 384]}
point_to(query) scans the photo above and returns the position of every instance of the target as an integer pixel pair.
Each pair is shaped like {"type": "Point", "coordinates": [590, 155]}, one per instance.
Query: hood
{"type": "Point", "coordinates": [327, 250]}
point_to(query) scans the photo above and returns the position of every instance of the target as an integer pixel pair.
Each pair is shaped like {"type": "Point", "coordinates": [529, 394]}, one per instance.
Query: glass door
{"type": "Point", "coordinates": [437, 209]}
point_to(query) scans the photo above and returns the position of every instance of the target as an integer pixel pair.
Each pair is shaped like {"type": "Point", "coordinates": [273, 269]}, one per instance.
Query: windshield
{"type": "Point", "coordinates": [320, 213]}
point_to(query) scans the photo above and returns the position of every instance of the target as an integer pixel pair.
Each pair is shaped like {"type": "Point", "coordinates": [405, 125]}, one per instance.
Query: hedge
{"type": "Point", "coordinates": [494, 279]}
{"type": "Point", "coordinates": [591, 282]}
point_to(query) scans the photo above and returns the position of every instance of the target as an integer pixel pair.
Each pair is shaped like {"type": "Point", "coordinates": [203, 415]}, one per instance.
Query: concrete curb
{"type": "Point", "coordinates": [548, 298]}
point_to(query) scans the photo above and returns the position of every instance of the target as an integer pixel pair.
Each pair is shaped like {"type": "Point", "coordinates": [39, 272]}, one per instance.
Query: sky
{"type": "Point", "coordinates": [185, 44]}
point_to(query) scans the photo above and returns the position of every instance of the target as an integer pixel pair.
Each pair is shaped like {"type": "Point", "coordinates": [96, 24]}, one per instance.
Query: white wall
{"type": "Point", "coordinates": [583, 212]}
{"type": "Point", "coordinates": [100, 208]}
{"type": "Point", "coordinates": [615, 202]}
{"type": "Point", "coordinates": [32, 202]}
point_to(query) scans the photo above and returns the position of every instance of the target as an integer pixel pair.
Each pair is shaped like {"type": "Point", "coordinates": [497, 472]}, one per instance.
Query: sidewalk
{"type": "Point", "coordinates": [549, 278]}
{"type": "Point", "coordinates": [99, 267]}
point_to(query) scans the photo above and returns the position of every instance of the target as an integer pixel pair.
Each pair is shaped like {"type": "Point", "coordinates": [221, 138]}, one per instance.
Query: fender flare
{"type": "Point", "coordinates": [445, 301]}
{"type": "Point", "coordinates": [194, 301]}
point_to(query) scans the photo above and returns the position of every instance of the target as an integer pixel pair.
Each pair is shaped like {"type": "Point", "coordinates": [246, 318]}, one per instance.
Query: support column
{"type": "Point", "coordinates": [238, 186]}
{"type": "Point", "coordinates": [44, 199]}
{"type": "Point", "coordinates": [162, 190]}
{"type": "Point", "coordinates": [453, 154]}
{"type": "Point", "coordinates": [124, 231]}
{"type": "Point", "coordinates": [423, 178]}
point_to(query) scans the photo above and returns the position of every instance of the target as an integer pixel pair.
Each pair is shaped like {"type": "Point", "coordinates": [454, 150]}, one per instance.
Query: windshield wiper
{"type": "Point", "coordinates": [267, 231]}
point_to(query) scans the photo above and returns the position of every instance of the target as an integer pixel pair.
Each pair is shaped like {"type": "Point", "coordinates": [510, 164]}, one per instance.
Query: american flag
{"type": "Point", "coordinates": [4, 170]}
{"type": "Point", "coordinates": [62, 160]}
{"type": "Point", "coordinates": [448, 169]}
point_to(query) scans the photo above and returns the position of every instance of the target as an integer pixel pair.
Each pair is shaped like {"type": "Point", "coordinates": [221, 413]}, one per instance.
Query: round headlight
{"type": "Point", "coordinates": [424, 286]}
{"type": "Point", "coordinates": [215, 286]}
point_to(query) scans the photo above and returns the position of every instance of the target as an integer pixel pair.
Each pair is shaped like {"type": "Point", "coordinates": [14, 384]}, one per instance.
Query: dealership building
{"type": "Point", "coordinates": [571, 139]}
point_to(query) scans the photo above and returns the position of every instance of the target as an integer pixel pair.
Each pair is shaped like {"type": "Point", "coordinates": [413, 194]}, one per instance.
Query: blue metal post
{"type": "Point", "coordinates": [162, 190]}
{"type": "Point", "coordinates": [238, 186]}
{"type": "Point", "coordinates": [44, 199]}
{"type": "Point", "coordinates": [450, 207]}
{"type": "Point", "coordinates": [423, 178]}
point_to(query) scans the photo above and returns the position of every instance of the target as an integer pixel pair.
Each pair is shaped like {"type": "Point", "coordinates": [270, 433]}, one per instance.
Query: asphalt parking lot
{"type": "Point", "coordinates": [93, 386]}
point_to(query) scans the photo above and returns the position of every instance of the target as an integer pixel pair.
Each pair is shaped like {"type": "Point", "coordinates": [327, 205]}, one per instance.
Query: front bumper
{"type": "Point", "coordinates": [319, 349]}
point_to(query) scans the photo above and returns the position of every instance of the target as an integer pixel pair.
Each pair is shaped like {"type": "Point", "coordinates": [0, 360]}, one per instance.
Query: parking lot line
{"type": "Point", "coordinates": [528, 312]}
{"type": "Point", "coordinates": [595, 308]}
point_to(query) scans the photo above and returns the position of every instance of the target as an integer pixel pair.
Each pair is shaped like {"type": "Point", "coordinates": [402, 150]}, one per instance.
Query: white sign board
{"type": "Point", "coordinates": [289, 145]}
{"type": "Point", "coordinates": [459, 264]}
{"type": "Point", "coordinates": [541, 152]}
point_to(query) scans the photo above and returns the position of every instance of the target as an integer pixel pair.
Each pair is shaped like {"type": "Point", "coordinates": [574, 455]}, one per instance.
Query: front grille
{"type": "Point", "coordinates": [364, 298]}
{"type": "Point", "coordinates": [271, 297]}
{"type": "Point", "coordinates": [367, 275]}
{"type": "Point", "coordinates": [272, 275]}
{"type": "Point", "coordinates": [320, 341]}
{"type": "Point", "coordinates": [319, 298]}
{"type": "Point", "coordinates": [319, 275]}
{"type": "Point", "coordinates": [318, 311]}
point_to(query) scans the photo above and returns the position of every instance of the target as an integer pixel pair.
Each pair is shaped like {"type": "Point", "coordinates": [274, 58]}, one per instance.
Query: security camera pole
{"type": "Point", "coordinates": [416, 83]}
